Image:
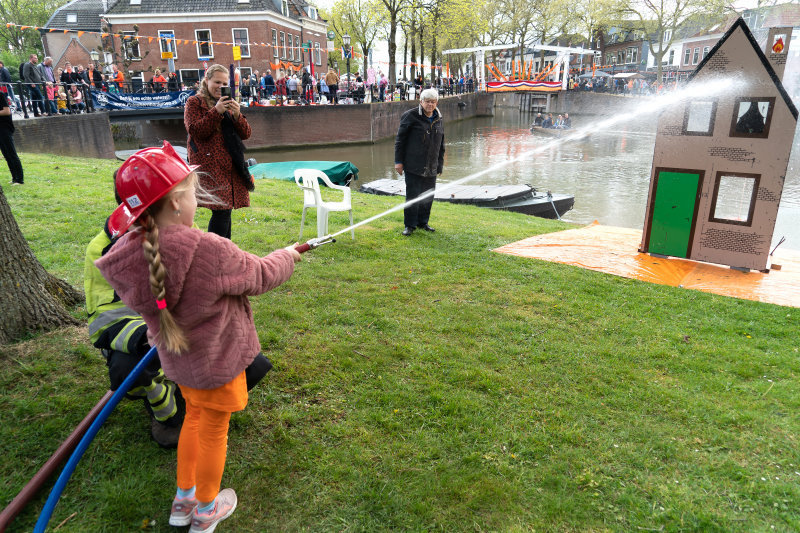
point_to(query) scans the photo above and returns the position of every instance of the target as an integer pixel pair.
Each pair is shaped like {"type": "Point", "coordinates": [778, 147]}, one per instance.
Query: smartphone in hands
{"type": "Point", "coordinates": [225, 91]}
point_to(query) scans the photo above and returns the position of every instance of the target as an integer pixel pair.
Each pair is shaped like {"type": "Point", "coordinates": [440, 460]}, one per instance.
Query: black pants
{"type": "Point", "coordinates": [220, 222]}
{"type": "Point", "coordinates": [10, 154]}
{"type": "Point", "coordinates": [417, 214]}
{"type": "Point", "coordinates": [120, 365]}
{"type": "Point", "coordinates": [37, 100]}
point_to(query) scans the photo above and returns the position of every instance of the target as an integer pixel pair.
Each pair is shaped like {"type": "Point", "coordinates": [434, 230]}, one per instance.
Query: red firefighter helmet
{"type": "Point", "coordinates": [144, 178]}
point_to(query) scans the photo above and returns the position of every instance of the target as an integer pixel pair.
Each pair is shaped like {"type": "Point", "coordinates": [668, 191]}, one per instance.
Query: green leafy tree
{"type": "Point", "coordinates": [361, 19]}
{"type": "Point", "coordinates": [25, 13]}
{"type": "Point", "coordinates": [660, 20]}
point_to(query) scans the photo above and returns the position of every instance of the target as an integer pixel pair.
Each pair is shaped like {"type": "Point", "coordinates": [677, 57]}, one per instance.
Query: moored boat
{"type": "Point", "coordinates": [520, 198]}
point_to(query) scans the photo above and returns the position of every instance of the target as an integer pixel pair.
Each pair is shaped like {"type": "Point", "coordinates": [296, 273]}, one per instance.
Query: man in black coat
{"type": "Point", "coordinates": [419, 154]}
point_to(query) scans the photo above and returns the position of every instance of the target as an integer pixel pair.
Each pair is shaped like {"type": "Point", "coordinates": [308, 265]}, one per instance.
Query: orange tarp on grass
{"type": "Point", "coordinates": [615, 251]}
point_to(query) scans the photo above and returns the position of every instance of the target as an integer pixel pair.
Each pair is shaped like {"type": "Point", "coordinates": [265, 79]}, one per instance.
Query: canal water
{"type": "Point", "coordinates": [608, 172]}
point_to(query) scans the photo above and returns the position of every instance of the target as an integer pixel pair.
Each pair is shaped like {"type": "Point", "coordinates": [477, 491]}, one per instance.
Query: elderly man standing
{"type": "Point", "coordinates": [419, 154]}
{"type": "Point", "coordinates": [32, 76]}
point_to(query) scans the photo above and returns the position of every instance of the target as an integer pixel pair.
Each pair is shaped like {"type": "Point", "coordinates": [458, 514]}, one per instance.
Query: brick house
{"type": "Point", "coordinates": [625, 50]}
{"type": "Point", "coordinates": [82, 19]}
{"type": "Point", "coordinates": [720, 159]}
{"type": "Point", "coordinates": [203, 32]}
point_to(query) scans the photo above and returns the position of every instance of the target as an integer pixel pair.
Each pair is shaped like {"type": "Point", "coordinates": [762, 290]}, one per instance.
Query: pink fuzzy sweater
{"type": "Point", "coordinates": [208, 281]}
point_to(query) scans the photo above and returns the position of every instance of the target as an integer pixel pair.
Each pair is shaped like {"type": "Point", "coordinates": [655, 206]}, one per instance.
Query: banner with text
{"type": "Point", "coordinates": [110, 101]}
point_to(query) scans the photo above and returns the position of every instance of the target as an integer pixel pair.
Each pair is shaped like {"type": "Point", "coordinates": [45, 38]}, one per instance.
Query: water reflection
{"type": "Point", "coordinates": [608, 172]}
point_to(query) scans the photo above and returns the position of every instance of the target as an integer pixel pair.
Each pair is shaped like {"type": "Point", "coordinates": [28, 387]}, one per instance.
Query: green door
{"type": "Point", "coordinates": [676, 195]}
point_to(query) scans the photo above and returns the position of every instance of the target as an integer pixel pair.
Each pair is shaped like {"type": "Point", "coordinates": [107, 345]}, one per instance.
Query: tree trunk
{"type": "Point", "coordinates": [405, 55]}
{"type": "Point", "coordinates": [433, 61]}
{"type": "Point", "coordinates": [413, 55]}
{"type": "Point", "coordinates": [30, 298]}
{"type": "Point", "coordinates": [392, 47]}
{"type": "Point", "coordinates": [422, 51]}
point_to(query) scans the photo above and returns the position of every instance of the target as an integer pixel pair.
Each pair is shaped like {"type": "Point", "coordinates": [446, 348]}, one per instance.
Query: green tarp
{"type": "Point", "coordinates": [339, 172]}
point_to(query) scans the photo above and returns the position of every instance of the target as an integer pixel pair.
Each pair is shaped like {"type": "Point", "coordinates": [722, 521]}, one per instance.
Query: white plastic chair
{"type": "Point", "coordinates": [307, 179]}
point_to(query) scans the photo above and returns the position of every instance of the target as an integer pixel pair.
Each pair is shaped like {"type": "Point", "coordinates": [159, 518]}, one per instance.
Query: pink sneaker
{"type": "Point", "coordinates": [224, 505]}
{"type": "Point", "coordinates": [182, 510]}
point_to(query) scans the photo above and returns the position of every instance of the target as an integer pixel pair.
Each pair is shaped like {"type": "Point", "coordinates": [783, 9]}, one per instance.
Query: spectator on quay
{"type": "Point", "coordinates": [281, 90]}
{"type": "Point", "coordinates": [76, 99]}
{"type": "Point", "coordinates": [111, 84]}
{"type": "Point", "coordinates": [118, 78]}
{"type": "Point", "coordinates": [82, 76]}
{"type": "Point", "coordinates": [51, 97]}
{"type": "Point", "coordinates": [158, 81]}
{"type": "Point", "coordinates": [172, 83]}
{"type": "Point", "coordinates": [308, 93]}
{"type": "Point", "coordinates": [382, 84]}
{"type": "Point", "coordinates": [245, 89]}
{"type": "Point", "coordinates": [5, 82]}
{"type": "Point", "coordinates": [46, 67]}
{"type": "Point", "coordinates": [67, 76]}
{"type": "Point", "coordinates": [7, 147]}
{"type": "Point", "coordinates": [269, 84]}
{"type": "Point", "coordinates": [84, 84]}
{"type": "Point", "coordinates": [332, 81]}
{"type": "Point", "coordinates": [323, 89]}
{"type": "Point", "coordinates": [32, 76]}
{"type": "Point", "coordinates": [216, 129]}
{"type": "Point", "coordinates": [292, 86]}
{"type": "Point", "coordinates": [470, 84]}
{"type": "Point", "coordinates": [94, 76]}
{"type": "Point", "coordinates": [419, 154]}
{"type": "Point", "coordinates": [61, 101]}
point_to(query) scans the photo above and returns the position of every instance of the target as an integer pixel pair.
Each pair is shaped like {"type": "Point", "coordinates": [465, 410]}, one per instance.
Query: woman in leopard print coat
{"type": "Point", "coordinates": [203, 117]}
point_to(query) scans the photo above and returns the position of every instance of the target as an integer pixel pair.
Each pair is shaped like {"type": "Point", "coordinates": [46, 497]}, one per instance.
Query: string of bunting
{"type": "Point", "coordinates": [150, 39]}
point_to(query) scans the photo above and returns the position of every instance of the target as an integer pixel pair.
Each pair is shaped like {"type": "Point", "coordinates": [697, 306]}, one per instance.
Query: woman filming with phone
{"type": "Point", "coordinates": [216, 128]}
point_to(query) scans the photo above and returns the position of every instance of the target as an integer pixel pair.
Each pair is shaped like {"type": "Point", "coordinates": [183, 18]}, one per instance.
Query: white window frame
{"type": "Point", "coordinates": [291, 48]}
{"type": "Point", "coordinates": [285, 8]}
{"type": "Point", "coordinates": [275, 52]}
{"type": "Point", "coordinates": [246, 45]}
{"type": "Point", "coordinates": [199, 40]}
{"type": "Point", "coordinates": [297, 46]}
{"type": "Point", "coordinates": [72, 18]}
{"type": "Point", "coordinates": [671, 57]}
{"type": "Point", "coordinates": [136, 2]}
{"type": "Point", "coordinates": [317, 54]}
{"type": "Point", "coordinates": [706, 49]}
{"type": "Point", "coordinates": [242, 76]}
{"type": "Point", "coordinates": [172, 46]}
{"type": "Point", "coordinates": [283, 44]}
{"type": "Point", "coordinates": [312, 12]}
{"type": "Point", "coordinates": [696, 56]}
{"type": "Point", "coordinates": [667, 35]}
{"type": "Point", "coordinates": [138, 56]}
{"type": "Point", "coordinates": [687, 56]}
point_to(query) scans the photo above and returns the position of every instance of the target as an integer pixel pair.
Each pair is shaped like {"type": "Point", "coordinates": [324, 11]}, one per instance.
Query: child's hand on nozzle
{"type": "Point", "coordinates": [292, 249]}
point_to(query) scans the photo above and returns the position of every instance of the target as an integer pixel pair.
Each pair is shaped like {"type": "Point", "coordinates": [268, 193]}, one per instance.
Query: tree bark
{"type": "Point", "coordinates": [30, 298]}
{"type": "Point", "coordinates": [392, 48]}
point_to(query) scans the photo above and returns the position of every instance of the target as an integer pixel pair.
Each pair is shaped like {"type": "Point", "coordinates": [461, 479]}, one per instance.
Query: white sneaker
{"type": "Point", "coordinates": [182, 511]}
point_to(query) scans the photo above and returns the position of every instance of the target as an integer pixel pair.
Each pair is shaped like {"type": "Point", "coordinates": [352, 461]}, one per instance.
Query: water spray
{"type": "Point", "coordinates": [700, 90]}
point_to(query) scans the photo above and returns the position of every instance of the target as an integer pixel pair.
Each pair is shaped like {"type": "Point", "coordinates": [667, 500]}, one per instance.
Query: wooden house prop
{"type": "Point", "coordinates": [720, 161]}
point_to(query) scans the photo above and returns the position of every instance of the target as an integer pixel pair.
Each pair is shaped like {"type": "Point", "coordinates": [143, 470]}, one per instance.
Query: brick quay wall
{"type": "Point", "coordinates": [91, 134]}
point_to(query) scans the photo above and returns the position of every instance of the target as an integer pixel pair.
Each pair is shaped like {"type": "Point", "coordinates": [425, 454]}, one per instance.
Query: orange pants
{"type": "Point", "coordinates": [201, 461]}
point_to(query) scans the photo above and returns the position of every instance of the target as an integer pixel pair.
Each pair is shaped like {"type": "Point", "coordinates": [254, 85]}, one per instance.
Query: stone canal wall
{"type": "Point", "coordinates": [578, 102]}
{"type": "Point", "coordinates": [288, 126]}
{"type": "Point", "coordinates": [87, 135]}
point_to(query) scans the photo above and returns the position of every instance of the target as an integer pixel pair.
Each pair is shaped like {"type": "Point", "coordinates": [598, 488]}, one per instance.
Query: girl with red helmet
{"type": "Point", "coordinates": [191, 289]}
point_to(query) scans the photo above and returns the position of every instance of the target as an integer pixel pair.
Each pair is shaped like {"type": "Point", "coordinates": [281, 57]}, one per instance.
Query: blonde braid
{"type": "Point", "coordinates": [172, 335]}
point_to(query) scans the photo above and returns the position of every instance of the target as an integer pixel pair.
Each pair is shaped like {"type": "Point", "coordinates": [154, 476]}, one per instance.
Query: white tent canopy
{"type": "Point", "coordinates": [629, 76]}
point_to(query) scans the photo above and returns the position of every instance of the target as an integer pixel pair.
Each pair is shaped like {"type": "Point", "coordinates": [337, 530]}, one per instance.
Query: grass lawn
{"type": "Point", "coordinates": [429, 384]}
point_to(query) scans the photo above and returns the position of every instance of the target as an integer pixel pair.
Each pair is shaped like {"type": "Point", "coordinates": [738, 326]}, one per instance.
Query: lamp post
{"type": "Point", "coordinates": [95, 55]}
{"type": "Point", "coordinates": [346, 42]}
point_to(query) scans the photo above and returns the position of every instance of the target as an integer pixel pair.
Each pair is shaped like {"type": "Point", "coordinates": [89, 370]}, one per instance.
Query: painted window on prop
{"type": "Point", "coordinates": [734, 198]}
{"type": "Point", "coordinates": [699, 117]}
{"type": "Point", "coordinates": [752, 117]}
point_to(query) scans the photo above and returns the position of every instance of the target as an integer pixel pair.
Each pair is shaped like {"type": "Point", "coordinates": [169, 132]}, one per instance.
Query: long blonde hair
{"type": "Point", "coordinates": [170, 333]}
{"type": "Point", "coordinates": [204, 92]}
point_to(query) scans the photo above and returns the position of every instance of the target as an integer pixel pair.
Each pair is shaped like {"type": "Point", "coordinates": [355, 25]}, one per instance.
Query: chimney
{"type": "Point", "coordinates": [777, 49]}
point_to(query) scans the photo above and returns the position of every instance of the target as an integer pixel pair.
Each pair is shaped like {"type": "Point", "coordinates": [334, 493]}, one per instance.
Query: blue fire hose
{"type": "Point", "coordinates": [69, 468]}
